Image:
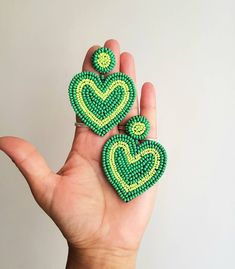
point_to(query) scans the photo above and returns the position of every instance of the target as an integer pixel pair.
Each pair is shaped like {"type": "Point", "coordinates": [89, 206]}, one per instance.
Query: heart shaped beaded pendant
{"type": "Point", "coordinates": [101, 103]}
{"type": "Point", "coordinates": [132, 167]}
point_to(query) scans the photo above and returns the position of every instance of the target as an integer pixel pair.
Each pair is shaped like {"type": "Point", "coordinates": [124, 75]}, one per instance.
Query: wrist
{"type": "Point", "coordinates": [101, 258]}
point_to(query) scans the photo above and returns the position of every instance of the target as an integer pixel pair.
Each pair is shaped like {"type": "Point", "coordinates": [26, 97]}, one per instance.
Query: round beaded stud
{"type": "Point", "coordinates": [103, 60]}
{"type": "Point", "coordinates": [138, 127]}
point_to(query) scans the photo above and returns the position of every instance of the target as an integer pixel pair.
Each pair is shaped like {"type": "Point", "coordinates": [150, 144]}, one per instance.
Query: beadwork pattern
{"type": "Point", "coordinates": [101, 103]}
{"type": "Point", "coordinates": [137, 127]}
{"type": "Point", "coordinates": [103, 60]}
{"type": "Point", "coordinates": [132, 167]}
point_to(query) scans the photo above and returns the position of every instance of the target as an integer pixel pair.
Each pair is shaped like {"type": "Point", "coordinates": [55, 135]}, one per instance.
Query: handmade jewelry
{"type": "Point", "coordinates": [132, 167]}
{"type": "Point", "coordinates": [102, 102]}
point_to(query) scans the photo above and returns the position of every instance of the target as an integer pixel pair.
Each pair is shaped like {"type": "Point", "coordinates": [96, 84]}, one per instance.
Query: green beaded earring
{"type": "Point", "coordinates": [132, 167]}
{"type": "Point", "coordinates": [101, 103]}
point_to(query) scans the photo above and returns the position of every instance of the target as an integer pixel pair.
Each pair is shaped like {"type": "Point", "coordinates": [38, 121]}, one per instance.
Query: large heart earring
{"type": "Point", "coordinates": [102, 102]}
{"type": "Point", "coordinates": [131, 166]}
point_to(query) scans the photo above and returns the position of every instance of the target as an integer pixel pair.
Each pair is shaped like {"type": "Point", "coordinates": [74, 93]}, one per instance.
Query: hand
{"type": "Point", "coordinates": [100, 228]}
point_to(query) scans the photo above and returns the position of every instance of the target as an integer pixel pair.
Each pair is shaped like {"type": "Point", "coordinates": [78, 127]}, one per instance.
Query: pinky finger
{"type": "Point", "coordinates": [148, 107]}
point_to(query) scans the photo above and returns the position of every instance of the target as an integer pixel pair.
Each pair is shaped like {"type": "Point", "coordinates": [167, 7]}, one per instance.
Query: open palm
{"type": "Point", "coordinates": [79, 198]}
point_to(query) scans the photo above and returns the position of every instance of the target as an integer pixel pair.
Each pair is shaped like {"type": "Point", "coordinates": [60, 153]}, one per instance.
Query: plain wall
{"type": "Point", "coordinates": [186, 48]}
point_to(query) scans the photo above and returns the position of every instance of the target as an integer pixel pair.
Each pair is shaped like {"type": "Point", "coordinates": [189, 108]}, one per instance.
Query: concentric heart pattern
{"type": "Point", "coordinates": [101, 104]}
{"type": "Point", "coordinates": [131, 166]}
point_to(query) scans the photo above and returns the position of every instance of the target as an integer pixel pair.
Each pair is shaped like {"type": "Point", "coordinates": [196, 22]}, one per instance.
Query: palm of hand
{"type": "Point", "coordinates": [79, 198]}
{"type": "Point", "coordinates": [86, 207]}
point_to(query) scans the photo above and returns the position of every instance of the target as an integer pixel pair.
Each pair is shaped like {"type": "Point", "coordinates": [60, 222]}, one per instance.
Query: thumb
{"type": "Point", "coordinates": [32, 165]}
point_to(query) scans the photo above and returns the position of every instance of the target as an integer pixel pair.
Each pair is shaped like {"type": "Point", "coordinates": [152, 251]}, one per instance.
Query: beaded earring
{"type": "Point", "coordinates": [102, 102]}
{"type": "Point", "coordinates": [132, 167]}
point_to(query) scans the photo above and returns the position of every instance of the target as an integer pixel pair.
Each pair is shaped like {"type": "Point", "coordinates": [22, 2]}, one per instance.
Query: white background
{"type": "Point", "coordinates": [186, 48]}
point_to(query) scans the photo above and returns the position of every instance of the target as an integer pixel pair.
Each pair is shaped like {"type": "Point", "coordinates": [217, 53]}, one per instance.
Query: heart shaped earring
{"type": "Point", "coordinates": [132, 167]}
{"type": "Point", "coordinates": [102, 102]}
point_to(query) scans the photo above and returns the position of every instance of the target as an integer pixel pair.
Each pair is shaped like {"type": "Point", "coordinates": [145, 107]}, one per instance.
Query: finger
{"type": "Point", "coordinates": [115, 47]}
{"type": "Point", "coordinates": [31, 164]}
{"type": "Point", "coordinates": [148, 110]}
{"type": "Point", "coordinates": [87, 66]}
{"type": "Point", "coordinates": [148, 107]}
{"type": "Point", "coordinates": [127, 66]}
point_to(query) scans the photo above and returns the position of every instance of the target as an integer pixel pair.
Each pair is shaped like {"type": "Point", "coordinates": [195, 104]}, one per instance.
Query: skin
{"type": "Point", "coordinates": [102, 231]}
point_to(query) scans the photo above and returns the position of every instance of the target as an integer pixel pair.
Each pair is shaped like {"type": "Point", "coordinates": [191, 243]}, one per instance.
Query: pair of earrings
{"type": "Point", "coordinates": [101, 103]}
